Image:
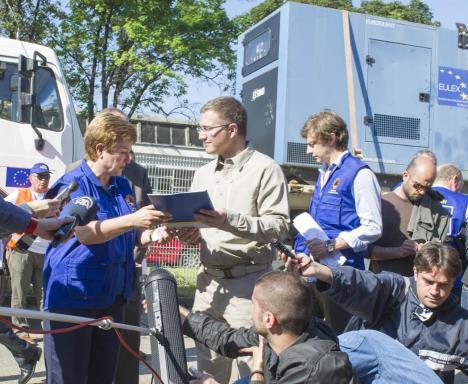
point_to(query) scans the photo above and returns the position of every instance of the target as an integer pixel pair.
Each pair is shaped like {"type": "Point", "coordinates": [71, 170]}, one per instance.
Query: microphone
{"type": "Point", "coordinates": [64, 195]}
{"type": "Point", "coordinates": [167, 348]}
{"type": "Point", "coordinates": [25, 241]}
{"type": "Point", "coordinates": [84, 210]}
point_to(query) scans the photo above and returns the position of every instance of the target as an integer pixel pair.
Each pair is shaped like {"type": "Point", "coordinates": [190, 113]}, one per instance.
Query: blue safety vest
{"type": "Point", "coordinates": [92, 276]}
{"type": "Point", "coordinates": [334, 208]}
{"type": "Point", "coordinates": [457, 204]}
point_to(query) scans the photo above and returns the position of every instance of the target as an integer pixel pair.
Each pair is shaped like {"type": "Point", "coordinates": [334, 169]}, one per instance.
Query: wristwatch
{"type": "Point", "coordinates": [330, 246]}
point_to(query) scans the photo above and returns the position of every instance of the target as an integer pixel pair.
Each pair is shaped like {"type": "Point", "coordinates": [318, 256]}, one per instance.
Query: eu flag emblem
{"type": "Point", "coordinates": [453, 87]}
{"type": "Point", "coordinates": [17, 177]}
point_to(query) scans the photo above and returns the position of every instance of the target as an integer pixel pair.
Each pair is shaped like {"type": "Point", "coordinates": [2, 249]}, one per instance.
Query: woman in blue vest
{"type": "Point", "coordinates": [92, 273]}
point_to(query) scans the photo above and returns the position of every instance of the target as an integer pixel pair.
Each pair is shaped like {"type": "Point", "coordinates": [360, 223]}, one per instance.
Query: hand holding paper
{"type": "Point", "coordinates": [211, 218]}
{"type": "Point", "coordinates": [310, 230]}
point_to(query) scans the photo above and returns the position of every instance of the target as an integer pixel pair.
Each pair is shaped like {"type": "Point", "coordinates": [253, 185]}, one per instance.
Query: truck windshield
{"type": "Point", "coordinates": [47, 113]}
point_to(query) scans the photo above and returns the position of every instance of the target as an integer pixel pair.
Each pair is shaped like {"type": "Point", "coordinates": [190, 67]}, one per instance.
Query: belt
{"type": "Point", "coordinates": [235, 271]}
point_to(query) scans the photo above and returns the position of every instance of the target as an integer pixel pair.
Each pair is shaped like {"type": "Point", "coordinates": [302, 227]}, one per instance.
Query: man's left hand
{"type": "Point", "coordinates": [257, 354]}
{"type": "Point", "coordinates": [317, 248]}
{"type": "Point", "coordinates": [211, 218]}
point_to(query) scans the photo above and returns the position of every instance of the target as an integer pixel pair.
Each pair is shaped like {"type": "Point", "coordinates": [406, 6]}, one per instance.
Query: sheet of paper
{"type": "Point", "coordinates": [309, 229]}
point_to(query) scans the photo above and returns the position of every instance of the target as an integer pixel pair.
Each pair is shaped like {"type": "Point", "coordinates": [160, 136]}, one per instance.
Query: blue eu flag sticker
{"type": "Point", "coordinates": [17, 177]}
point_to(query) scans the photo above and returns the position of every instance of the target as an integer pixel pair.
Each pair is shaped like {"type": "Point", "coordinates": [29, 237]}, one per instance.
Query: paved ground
{"type": "Point", "coordinates": [9, 368]}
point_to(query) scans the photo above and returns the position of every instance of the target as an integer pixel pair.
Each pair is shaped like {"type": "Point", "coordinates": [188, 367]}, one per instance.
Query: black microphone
{"type": "Point", "coordinates": [167, 348]}
{"type": "Point", "coordinates": [25, 241]}
{"type": "Point", "coordinates": [84, 210]}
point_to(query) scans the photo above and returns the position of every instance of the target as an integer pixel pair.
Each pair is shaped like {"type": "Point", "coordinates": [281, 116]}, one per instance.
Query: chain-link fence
{"type": "Point", "coordinates": [172, 174]}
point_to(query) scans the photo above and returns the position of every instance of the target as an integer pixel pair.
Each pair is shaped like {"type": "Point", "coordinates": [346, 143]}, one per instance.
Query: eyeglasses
{"type": "Point", "coordinates": [207, 130]}
{"type": "Point", "coordinates": [418, 186]}
{"type": "Point", "coordinates": [42, 176]}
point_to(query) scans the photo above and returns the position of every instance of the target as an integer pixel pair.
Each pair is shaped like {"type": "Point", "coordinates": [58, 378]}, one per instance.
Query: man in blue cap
{"type": "Point", "coordinates": [26, 266]}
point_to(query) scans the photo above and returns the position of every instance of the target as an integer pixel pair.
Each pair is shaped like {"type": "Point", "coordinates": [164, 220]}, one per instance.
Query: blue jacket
{"type": "Point", "coordinates": [387, 302]}
{"type": "Point", "coordinates": [334, 208]}
{"type": "Point", "coordinates": [457, 204]}
{"type": "Point", "coordinates": [92, 276]}
{"type": "Point", "coordinates": [12, 218]}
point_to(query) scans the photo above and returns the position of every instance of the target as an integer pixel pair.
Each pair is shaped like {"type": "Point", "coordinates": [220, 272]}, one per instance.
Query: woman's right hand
{"type": "Point", "coordinates": [147, 217]}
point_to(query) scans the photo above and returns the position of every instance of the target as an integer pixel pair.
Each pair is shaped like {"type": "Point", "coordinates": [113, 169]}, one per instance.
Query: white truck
{"type": "Point", "coordinates": [38, 122]}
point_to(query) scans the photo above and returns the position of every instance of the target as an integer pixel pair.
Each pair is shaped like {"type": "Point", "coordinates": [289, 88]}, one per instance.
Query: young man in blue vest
{"type": "Point", "coordinates": [449, 183]}
{"type": "Point", "coordinates": [346, 204]}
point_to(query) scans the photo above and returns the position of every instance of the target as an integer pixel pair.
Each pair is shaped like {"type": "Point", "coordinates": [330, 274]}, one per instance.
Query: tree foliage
{"type": "Point", "coordinates": [128, 54]}
{"type": "Point", "coordinates": [134, 54]}
{"type": "Point", "coordinates": [28, 20]}
{"type": "Point", "coordinates": [416, 11]}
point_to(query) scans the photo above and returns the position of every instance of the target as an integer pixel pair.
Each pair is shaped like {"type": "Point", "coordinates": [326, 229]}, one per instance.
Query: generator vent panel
{"type": "Point", "coordinates": [398, 127]}
{"type": "Point", "coordinates": [297, 154]}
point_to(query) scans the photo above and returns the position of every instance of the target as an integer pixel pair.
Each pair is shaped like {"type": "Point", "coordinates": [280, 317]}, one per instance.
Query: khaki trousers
{"type": "Point", "coordinates": [24, 267]}
{"type": "Point", "coordinates": [229, 300]}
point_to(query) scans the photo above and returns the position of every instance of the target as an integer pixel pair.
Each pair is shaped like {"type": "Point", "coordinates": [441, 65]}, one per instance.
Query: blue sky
{"type": "Point", "coordinates": [448, 12]}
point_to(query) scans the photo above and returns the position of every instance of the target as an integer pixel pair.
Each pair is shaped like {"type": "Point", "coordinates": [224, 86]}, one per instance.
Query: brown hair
{"type": "Point", "coordinates": [230, 110]}
{"type": "Point", "coordinates": [108, 129]}
{"type": "Point", "coordinates": [443, 257]}
{"type": "Point", "coordinates": [288, 298]}
{"type": "Point", "coordinates": [324, 124]}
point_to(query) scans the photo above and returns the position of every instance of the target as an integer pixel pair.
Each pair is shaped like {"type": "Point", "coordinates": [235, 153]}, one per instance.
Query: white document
{"type": "Point", "coordinates": [309, 229]}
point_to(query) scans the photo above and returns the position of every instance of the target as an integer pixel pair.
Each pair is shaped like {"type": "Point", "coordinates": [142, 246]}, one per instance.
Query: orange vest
{"type": "Point", "coordinates": [24, 196]}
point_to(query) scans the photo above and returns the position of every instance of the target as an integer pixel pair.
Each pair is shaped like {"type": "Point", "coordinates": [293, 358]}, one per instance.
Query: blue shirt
{"type": "Point", "coordinates": [92, 276]}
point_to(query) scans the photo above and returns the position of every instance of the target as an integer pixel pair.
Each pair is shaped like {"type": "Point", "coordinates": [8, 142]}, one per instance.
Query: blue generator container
{"type": "Point", "coordinates": [407, 85]}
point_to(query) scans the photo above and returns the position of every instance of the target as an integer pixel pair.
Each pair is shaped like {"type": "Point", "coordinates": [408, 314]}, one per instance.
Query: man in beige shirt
{"type": "Point", "coordinates": [249, 194]}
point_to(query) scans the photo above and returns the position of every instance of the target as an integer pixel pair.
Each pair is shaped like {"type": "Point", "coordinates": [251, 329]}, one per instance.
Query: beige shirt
{"type": "Point", "coordinates": [251, 187]}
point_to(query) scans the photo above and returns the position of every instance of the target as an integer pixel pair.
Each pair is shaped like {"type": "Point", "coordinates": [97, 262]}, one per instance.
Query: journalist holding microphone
{"type": "Point", "coordinates": [92, 273]}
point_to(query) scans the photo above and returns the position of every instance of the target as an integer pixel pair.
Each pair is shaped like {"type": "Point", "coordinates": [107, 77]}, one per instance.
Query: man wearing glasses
{"type": "Point", "coordinates": [26, 266]}
{"type": "Point", "coordinates": [249, 194]}
{"type": "Point", "coordinates": [412, 214]}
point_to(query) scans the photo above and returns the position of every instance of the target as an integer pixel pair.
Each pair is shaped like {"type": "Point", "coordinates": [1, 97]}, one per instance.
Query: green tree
{"type": "Point", "coordinates": [132, 55]}
{"type": "Point", "coordinates": [263, 9]}
{"type": "Point", "coordinates": [28, 20]}
{"type": "Point", "coordinates": [416, 11]}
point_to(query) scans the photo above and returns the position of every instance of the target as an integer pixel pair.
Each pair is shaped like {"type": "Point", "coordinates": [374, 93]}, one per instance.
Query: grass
{"type": "Point", "coordinates": [186, 281]}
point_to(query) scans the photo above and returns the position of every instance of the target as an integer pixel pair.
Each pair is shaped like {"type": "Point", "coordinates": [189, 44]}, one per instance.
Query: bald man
{"type": "Point", "coordinates": [412, 214]}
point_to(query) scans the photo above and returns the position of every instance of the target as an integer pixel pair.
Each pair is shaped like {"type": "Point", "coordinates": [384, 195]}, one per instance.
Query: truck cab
{"type": "Point", "coordinates": [38, 122]}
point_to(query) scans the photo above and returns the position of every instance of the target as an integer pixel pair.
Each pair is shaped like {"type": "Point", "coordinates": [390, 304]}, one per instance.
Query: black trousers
{"type": "Point", "coordinates": [20, 349]}
{"type": "Point", "coordinates": [128, 367]}
{"type": "Point", "coordinates": [85, 356]}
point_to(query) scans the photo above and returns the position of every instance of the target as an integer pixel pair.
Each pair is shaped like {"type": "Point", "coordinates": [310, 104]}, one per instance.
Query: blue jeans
{"type": "Point", "coordinates": [377, 358]}
{"type": "Point", "coordinates": [464, 297]}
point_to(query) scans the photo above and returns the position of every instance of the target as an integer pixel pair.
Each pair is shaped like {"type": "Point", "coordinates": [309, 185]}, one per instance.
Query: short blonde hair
{"type": "Point", "coordinates": [108, 129]}
{"type": "Point", "coordinates": [447, 171]}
